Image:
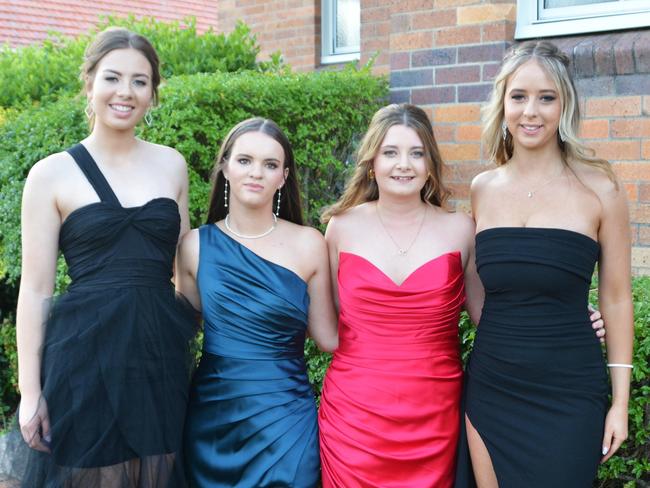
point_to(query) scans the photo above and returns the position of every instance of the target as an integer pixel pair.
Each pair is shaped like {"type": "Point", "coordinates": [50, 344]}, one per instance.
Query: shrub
{"type": "Point", "coordinates": [322, 113]}
{"type": "Point", "coordinates": [38, 72]}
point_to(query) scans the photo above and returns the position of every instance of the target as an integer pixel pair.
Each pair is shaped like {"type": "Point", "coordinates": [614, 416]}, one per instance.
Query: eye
{"type": "Point", "coordinates": [389, 153]}
{"type": "Point", "coordinates": [140, 83]}
{"type": "Point", "coordinates": [517, 97]}
{"type": "Point", "coordinates": [271, 165]}
{"type": "Point", "coordinates": [110, 79]}
{"type": "Point", "coordinates": [243, 161]}
{"type": "Point", "coordinates": [548, 98]}
{"type": "Point", "coordinates": [417, 154]}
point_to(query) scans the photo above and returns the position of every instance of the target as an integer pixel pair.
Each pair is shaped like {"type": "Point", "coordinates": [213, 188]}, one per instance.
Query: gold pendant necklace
{"type": "Point", "coordinates": [401, 250]}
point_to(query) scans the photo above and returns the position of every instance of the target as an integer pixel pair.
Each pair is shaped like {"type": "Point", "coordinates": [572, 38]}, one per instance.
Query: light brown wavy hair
{"type": "Point", "coordinates": [556, 64]}
{"type": "Point", "coordinates": [361, 188]}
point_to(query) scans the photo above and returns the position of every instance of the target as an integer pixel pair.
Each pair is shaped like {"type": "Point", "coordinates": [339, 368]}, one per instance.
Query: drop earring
{"type": "Point", "coordinates": [277, 208]}
{"type": "Point", "coordinates": [225, 195]}
{"type": "Point", "coordinates": [89, 110]}
{"type": "Point", "coordinates": [504, 130]}
{"type": "Point", "coordinates": [147, 117]}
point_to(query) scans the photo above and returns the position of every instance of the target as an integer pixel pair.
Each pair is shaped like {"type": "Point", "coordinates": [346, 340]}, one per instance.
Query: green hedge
{"type": "Point", "coordinates": [36, 72]}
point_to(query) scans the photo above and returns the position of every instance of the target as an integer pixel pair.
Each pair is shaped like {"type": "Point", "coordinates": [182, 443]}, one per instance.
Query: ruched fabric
{"type": "Point", "coordinates": [115, 367]}
{"type": "Point", "coordinates": [390, 405]}
{"type": "Point", "coordinates": [537, 382]}
{"type": "Point", "coordinates": [251, 421]}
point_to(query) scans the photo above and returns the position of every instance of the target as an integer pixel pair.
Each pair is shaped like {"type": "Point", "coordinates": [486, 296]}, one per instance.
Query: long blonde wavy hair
{"type": "Point", "coordinates": [361, 188]}
{"type": "Point", "coordinates": [556, 64]}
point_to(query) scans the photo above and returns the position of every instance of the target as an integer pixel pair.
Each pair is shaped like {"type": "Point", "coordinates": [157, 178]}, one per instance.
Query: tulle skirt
{"type": "Point", "coordinates": [115, 377]}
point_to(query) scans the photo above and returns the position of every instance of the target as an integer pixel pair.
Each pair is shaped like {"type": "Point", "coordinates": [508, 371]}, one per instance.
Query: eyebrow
{"type": "Point", "coordinates": [550, 90]}
{"type": "Point", "coordinates": [120, 74]}
{"type": "Point", "coordinates": [244, 155]}
{"type": "Point", "coordinates": [391, 146]}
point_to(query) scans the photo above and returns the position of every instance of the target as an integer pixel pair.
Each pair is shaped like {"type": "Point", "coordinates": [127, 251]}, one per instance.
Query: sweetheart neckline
{"type": "Point", "coordinates": [383, 273]}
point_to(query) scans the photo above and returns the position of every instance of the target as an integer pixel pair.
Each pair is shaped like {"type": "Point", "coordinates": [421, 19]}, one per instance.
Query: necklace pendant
{"type": "Point", "coordinates": [530, 194]}
{"type": "Point", "coordinates": [401, 252]}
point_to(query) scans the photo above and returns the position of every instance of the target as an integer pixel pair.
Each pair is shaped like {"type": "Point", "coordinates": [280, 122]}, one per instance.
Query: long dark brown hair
{"type": "Point", "coordinates": [361, 188]}
{"type": "Point", "coordinates": [290, 207]}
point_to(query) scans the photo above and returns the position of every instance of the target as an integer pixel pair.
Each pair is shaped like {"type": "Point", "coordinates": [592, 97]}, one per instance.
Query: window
{"type": "Point", "coordinates": [547, 18]}
{"type": "Point", "coordinates": [341, 30]}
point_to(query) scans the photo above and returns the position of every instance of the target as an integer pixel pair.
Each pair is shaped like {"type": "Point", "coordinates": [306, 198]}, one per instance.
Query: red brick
{"type": "Point", "coordinates": [640, 213]}
{"type": "Point", "coordinates": [451, 36]}
{"type": "Point", "coordinates": [460, 152]}
{"type": "Point", "coordinates": [458, 74]}
{"type": "Point", "coordinates": [434, 19]}
{"type": "Point", "coordinates": [594, 129]}
{"type": "Point", "coordinates": [632, 190]}
{"type": "Point", "coordinates": [443, 133]}
{"type": "Point", "coordinates": [465, 171]}
{"type": "Point", "coordinates": [481, 14]}
{"type": "Point", "coordinates": [644, 192]}
{"type": "Point", "coordinates": [613, 107]}
{"type": "Point", "coordinates": [457, 113]}
{"type": "Point", "coordinates": [633, 170]}
{"type": "Point", "coordinates": [453, 3]}
{"type": "Point", "coordinates": [399, 60]}
{"type": "Point", "coordinates": [411, 41]}
{"type": "Point", "coordinates": [645, 150]}
{"type": "Point", "coordinates": [646, 105]}
{"type": "Point", "coordinates": [374, 14]}
{"type": "Point", "coordinates": [617, 150]}
{"type": "Point", "coordinates": [459, 191]}
{"type": "Point", "coordinates": [644, 235]}
{"type": "Point", "coordinates": [628, 128]}
{"type": "Point", "coordinates": [468, 133]}
{"type": "Point", "coordinates": [500, 31]}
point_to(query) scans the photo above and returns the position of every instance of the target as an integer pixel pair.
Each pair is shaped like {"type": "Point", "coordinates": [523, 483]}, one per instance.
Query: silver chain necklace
{"type": "Point", "coordinates": [401, 250]}
{"type": "Point", "coordinates": [242, 236]}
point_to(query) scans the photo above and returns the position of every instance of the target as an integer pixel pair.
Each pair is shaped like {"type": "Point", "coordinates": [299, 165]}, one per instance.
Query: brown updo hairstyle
{"type": "Point", "coordinates": [361, 188]}
{"type": "Point", "coordinates": [114, 38]}
{"type": "Point", "coordinates": [290, 206]}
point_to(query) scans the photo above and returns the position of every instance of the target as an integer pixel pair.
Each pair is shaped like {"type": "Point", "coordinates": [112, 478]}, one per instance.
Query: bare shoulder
{"type": "Point", "coordinates": [189, 243]}
{"type": "Point", "coordinates": [51, 170]}
{"type": "Point", "coordinates": [486, 178]}
{"type": "Point", "coordinates": [306, 237]}
{"type": "Point", "coordinates": [461, 222]}
{"type": "Point", "coordinates": [596, 180]}
{"type": "Point", "coordinates": [352, 217]}
{"type": "Point", "coordinates": [166, 156]}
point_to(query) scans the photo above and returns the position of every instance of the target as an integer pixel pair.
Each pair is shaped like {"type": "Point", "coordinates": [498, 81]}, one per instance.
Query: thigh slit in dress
{"type": "Point", "coordinates": [536, 380]}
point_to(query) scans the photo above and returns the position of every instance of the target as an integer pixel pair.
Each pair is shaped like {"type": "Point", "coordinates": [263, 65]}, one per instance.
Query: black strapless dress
{"type": "Point", "coordinates": [116, 357]}
{"type": "Point", "coordinates": [537, 384]}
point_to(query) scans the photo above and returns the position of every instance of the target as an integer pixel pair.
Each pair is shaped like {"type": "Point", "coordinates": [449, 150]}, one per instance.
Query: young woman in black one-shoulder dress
{"type": "Point", "coordinates": [103, 371]}
{"type": "Point", "coordinates": [537, 411]}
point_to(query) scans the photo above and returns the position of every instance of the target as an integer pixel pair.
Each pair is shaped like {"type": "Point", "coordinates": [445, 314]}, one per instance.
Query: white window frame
{"type": "Point", "coordinates": [329, 53]}
{"type": "Point", "coordinates": [533, 20]}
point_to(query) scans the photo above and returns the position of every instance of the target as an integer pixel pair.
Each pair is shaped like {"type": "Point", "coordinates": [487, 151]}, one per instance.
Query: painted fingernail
{"type": "Point", "coordinates": [605, 450]}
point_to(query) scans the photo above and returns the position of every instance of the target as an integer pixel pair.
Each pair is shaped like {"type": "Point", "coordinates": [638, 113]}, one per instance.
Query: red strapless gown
{"type": "Point", "coordinates": [389, 412]}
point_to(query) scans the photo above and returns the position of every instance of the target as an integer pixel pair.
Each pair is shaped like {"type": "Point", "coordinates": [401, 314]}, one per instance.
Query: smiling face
{"type": "Point", "coordinates": [400, 165]}
{"type": "Point", "coordinates": [255, 169]}
{"type": "Point", "coordinates": [532, 107]}
{"type": "Point", "coordinates": [120, 91]}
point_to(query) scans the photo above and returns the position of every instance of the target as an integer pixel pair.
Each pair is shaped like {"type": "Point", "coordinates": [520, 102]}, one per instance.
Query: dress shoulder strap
{"type": "Point", "coordinates": [90, 169]}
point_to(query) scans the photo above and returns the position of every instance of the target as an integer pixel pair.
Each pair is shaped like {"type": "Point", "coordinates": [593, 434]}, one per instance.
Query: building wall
{"type": "Point", "coordinates": [443, 55]}
{"type": "Point", "coordinates": [289, 26]}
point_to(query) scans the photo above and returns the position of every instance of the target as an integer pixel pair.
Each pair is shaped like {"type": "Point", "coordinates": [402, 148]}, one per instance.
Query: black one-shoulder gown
{"type": "Point", "coordinates": [115, 367]}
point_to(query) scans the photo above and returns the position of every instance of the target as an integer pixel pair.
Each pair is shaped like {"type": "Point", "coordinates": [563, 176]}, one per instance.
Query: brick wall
{"type": "Point", "coordinates": [289, 26]}
{"type": "Point", "coordinates": [445, 53]}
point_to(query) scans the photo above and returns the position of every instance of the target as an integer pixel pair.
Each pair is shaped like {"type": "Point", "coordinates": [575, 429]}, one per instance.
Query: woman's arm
{"type": "Point", "coordinates": [615, 297]}
{"type": "Point", "coordinates": [187, 265]}
{"type": "Point", "coordinates": [322, 316]}
{"type": "Point", "coordinates": [40, 224]}
{"type": "Point", "coordinates": [331, 239]}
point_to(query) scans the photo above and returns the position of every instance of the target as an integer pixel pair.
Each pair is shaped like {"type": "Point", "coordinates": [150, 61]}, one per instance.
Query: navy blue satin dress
{"type": "Point", "coordinates": [251, 420]}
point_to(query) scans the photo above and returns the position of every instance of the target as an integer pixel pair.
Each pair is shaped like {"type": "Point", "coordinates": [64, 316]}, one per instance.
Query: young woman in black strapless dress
{"type": "Point", "coordinates": [536, 402]}
{"type": "Point", "coordinates": [103, 372]}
